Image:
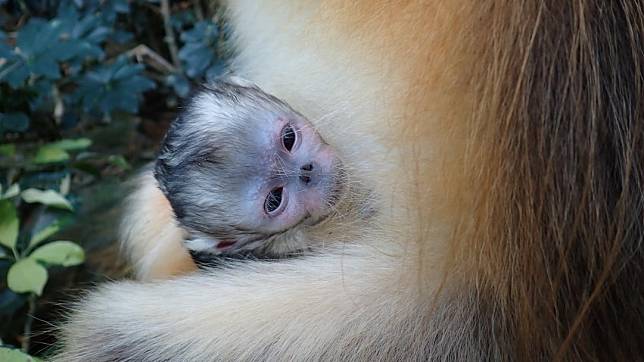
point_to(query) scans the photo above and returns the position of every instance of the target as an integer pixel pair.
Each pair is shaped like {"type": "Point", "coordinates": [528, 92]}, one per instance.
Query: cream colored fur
{"type": "Point", "coordinates": [151, 239]}
{"type": "Point", "coordinates": [359, 299]}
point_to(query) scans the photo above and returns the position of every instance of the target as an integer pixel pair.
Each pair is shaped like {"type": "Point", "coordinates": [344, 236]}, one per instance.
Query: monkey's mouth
{"type": "Point", "coordinates": [225, 244]}
{"type": "Point", "coordinates": [230, 246]}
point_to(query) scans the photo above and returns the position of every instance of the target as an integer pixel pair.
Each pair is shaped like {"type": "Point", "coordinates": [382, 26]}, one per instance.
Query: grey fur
{"type": "Point", "coordinates": [210, 158]}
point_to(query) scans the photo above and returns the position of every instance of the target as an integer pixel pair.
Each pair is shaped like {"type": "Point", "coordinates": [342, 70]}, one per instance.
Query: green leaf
{"type": "Point", "coordinates": [10, 302]}
{"type": "Point", "coordinates": [45, 65]}
{"type": "Point", "coordinates": [196, 57]}
{"type": "Point", "coordinates": [47, 197]}
{"type": "Point", "coordinates": [44, 233]}
{"type": "Point", "coordinates": [27, 275]}
{"type": "Point", "coordinates": [215, 71]}
{"type": "Point", "coordinates": [12, 191]}
{"type": "Point", "coordinates": [199, 50]}
{"type": "Point", "coordinates": [40, 45]}
{"type": "Point", "coordinates": [65, 184]}
{"type": "Point", "coordinates": [14, 122]}
{"type": "Point", "coordinates": [127, 71]}
{"type": "Point", "coordinates": [99, 34]}
{"type": "Point", "coordinates": [42, 99]}
{"type": "Point", "coordinates": [9, 224]}
{"type": "Point", "coordinates": [87, 167]}
{"type": "Point", "coordinates": [19, 73]}
{"type": "Point", "coordinates": [8, 149]}
{"type": "Point", "coordinates": [28, 35]}
{"type": "Point", "coordinates": [111, 87]}
{"type": "Point", "coordinates": [71, 144]}
{"type": "Point", "coordinates": [121, 6]}
{"type": "Point", "coordinates": [180, 84]}
{"type": "Point", "coordinates": [49, 154]}
{"type": "Point", "coordinates": [119, 161]}
{"type": "Point", "coordinates": [121, 36]}
{"type": "Point", "coordinates": [203, 31]}
{"type": "Point", "coordinates": [5, 50]}
{"type": "Point", "coordinates": [64, 253]}
{"type": "Point", "coordinates": [15, 355]}
{"type": "Point", "coordinates": [82, 26]}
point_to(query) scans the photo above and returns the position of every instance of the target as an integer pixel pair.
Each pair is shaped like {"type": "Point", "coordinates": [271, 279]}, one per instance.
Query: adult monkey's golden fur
{"type": "Point", "coordinates": [505, 143]}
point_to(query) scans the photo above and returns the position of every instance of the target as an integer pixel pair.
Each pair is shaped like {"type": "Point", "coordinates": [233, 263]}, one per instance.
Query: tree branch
{"type": "Point", "coordinates": [169, 34]}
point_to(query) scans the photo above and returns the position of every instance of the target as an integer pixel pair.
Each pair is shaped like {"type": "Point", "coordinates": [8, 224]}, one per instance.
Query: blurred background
{"type": "Point", "coordinates": [87, 90]}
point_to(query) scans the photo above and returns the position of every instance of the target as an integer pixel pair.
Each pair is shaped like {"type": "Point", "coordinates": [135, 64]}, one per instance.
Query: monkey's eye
{"type": "Point", "coordinates": [288, 137]}
{"type": "Point", "coordinates": [273, 201]}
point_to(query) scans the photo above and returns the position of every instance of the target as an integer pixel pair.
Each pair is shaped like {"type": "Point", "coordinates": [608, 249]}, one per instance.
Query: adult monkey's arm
{"type": "Point", "coordinates": [323, 307]}
{"type": "Point", "coordinates": [504, 140]}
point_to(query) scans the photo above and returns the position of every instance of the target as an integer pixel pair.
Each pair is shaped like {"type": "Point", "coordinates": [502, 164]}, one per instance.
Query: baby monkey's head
{"type": "Point", "coordinates": [240, 167]}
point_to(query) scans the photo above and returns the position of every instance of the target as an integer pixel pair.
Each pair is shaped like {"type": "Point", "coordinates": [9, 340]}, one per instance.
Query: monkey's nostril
{"type": "Point", "coordinates": [307, 167]}
{"type": "Point", "coordinates": [305, 176]}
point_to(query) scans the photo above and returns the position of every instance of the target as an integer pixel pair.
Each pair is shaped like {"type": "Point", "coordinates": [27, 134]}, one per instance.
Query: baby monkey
{"type": "Point", "coordinates": [245, 174]}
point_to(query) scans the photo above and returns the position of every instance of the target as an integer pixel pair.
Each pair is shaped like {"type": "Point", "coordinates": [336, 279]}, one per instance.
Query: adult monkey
{"type": "Point", "coordinates": [505, 140]}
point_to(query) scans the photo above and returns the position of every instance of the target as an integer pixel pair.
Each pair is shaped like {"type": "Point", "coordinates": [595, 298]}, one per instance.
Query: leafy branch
{"type": "Point", "coordinates": [66, 65]}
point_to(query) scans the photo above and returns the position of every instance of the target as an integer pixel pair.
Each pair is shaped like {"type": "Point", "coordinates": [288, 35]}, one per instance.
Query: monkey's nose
{"type": "Point", "coordinates": [305, 174]}
{"type": "Point", "coordinates": [307, 167]}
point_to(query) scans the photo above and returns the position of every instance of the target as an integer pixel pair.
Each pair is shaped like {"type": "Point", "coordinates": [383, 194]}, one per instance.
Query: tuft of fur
{"type": "Point", "coordinates": [150, 237]}
{"type": "Point", "coordinates": [505, 140]}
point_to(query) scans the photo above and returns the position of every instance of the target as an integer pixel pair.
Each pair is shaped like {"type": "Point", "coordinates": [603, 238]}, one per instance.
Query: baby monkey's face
{"type": "Point", "coordinates": [239, 167]}
{"type": "Point", "coordinates": [289, 174]}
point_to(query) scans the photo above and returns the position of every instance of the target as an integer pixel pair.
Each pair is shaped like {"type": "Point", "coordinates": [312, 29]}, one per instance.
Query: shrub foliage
{"type": "Point", "coordinates": [68, 69]}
